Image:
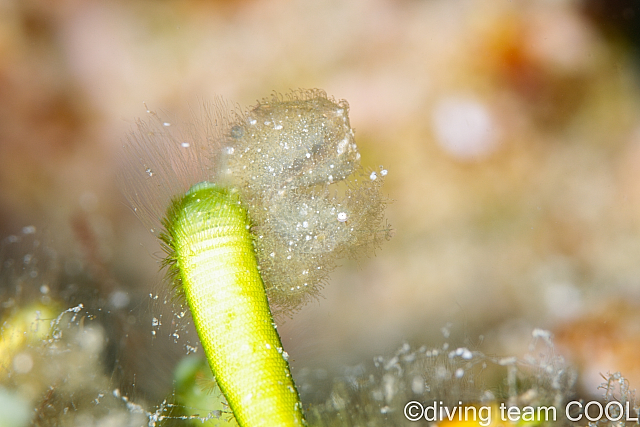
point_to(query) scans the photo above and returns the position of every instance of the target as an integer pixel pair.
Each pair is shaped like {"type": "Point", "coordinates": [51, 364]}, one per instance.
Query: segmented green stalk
{"type": "Point", "coordinates": [211, 256]}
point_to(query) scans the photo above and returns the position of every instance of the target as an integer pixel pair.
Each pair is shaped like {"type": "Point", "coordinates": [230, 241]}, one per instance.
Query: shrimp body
{"type": "Point", "coordinates": [279, 198]}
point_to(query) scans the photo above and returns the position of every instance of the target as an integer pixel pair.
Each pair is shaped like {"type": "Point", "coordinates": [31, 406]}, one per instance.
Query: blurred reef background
{"type": "Point", "coordinates": [510, 130]}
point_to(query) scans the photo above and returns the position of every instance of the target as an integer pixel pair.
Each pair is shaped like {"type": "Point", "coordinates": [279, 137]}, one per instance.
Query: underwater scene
{"type": "Point", "coordinates": [274, 213]}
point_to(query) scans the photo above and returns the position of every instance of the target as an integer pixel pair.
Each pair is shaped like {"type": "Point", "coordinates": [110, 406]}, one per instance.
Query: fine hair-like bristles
{"type": "Point", "coordinates": [293, 161]}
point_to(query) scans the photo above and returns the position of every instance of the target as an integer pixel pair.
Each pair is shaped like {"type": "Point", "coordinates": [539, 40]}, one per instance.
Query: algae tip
{"type": "Point", "coordinates": [253, 210]}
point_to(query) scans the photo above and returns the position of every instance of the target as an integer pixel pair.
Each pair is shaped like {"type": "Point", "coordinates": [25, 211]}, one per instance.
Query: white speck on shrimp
{"type": "Point", "coordinates": [166, 124]}
{"type": "Point", "coordinates": [185, 145]}
{"type": "Point", "coordinates": [342, 145]}
{"type": "Point", "coordinates": [383, 172]}
{"type": "Point", "coordinates": [373, 176]}
{"type": "Point", "coordinates": [342, 216]}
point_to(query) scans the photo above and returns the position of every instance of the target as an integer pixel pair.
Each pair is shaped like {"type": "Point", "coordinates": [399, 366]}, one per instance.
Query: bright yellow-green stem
{"type": "Point", "coordinates": [212, 257]}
